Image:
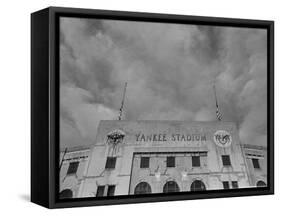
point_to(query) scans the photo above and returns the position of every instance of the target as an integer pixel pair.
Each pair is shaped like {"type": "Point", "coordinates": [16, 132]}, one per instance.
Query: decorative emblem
{"type": "Point", "coordinates": [222, 138]}
{"type": "Point", "coordinates": [115, 137]}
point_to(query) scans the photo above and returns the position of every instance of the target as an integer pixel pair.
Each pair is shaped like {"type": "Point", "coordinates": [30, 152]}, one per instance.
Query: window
{"type": "Point", "coordinates": [256, 163]}
{"type": "Point", "coordinates": [226, 160]}
{"type": "Point", "coordinates": [261, 184]}
{"type": "Point", "coordinates": [234, 184]}
{"type": "Point", "coordinates": [143, 188]}
{"type": "Point", "coordinates": [110, 163]}
{"type": "Point", "coordinates": [170, 161]}
{"type": "Point", "coordinates": [100, 191]}
{"type": "Point", "coordinates": [105, 190]}
{"type": "Point", "coordinates": [72, 169]}
{"type": "Point", "coordinates": [67, 193]}
{"type": "Point", "coordinates": [197, 185]}
{"type": "Point", "coordinates": [110, 190]}
{"type": "Point", "coordinates": [171, 187]}
{"type": "Point", "coordinates": [195, 161]}
{"type": "Point", "coordinates": [144, 162]}
{"type": "Point", "coordinates": [225, 184]}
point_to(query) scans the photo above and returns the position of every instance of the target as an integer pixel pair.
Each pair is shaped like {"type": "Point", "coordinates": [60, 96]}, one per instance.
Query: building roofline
{"type": "Point", "coordinates": [252, 146]}
{"type": "Point", "coordinates": [75, 149]}
{"type": "Point", "coordinates": [168, 121]}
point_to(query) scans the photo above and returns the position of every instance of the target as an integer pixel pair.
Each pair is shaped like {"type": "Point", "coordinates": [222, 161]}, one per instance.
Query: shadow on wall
{"type": "Point", "coordinates": [25, 197]}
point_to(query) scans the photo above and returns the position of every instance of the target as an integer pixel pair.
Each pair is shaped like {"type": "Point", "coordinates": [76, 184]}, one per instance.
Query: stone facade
{"type": "Point", "coordinates": [137, 157]}
{"type": "Point", "coordinates": [158, 140]}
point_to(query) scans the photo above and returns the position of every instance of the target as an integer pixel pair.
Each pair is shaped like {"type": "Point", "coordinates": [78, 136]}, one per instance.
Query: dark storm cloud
{"type": "Point", "coordinates": [170, 70]}
{"type": "Point", "coordinates": [208, 47]}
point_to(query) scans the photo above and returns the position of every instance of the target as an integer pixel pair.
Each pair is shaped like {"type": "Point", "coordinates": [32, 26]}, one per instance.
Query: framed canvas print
{"type": "Point", "coordinates": [138, 107]}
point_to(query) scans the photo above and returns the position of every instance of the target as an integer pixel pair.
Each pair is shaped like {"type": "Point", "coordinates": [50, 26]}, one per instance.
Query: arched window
{"type": "Point", "coordinates": [261, 184]}
{"type": "Point", "coordinates": [143, 188]}
{"type": "Point", "coordinates": [67, 193]}
{"type": "Point", "coordinates": [171, 187]}
{"type": "Point", "coordinates": [197, 185]}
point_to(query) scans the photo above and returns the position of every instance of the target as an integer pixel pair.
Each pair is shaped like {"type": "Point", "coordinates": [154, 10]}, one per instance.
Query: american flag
{"type": "Point", "coordinates": [219, 115]}
{"type": "Point", "coordinates": [122, 103]}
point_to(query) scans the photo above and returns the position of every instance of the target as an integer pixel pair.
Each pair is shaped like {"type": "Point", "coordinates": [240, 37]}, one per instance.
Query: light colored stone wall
{"type": "Point", "coordinates": [127, 173]}
{"type": "Point", "coordinates": [72, 181]}
{"type": "Point", "coordinates": [260, 153]}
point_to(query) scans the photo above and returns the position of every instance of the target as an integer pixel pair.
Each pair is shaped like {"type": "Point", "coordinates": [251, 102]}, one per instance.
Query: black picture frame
{"type": "Point", "coordinates": [45, 105]}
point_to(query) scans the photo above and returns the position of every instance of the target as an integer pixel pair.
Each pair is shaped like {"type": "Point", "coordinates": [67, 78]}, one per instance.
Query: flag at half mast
{"type": "Point", "coordinates": [218, 113]}
{"type": "Point", "coordinates": [122, 103]}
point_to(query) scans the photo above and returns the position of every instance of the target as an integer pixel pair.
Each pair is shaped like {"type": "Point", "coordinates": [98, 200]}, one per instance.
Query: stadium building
{"type": "Point", "coordinates": [140, 157]}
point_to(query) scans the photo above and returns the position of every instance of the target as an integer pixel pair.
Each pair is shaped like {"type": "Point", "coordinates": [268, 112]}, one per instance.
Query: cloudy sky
{"type": "Point", "coordinates": [170, 70]}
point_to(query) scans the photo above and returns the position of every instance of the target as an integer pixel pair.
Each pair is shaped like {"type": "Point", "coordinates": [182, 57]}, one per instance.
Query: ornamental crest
{"type": "Point", "coordinates": [115, 137]}
{"type": "Point", "coordinates": [222, 138]}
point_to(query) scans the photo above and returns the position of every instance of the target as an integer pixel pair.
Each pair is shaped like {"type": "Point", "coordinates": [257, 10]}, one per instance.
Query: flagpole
{"type": "Point", "coordinates": [65, 151]}
{"type": "Point", "coordinates": [122, 103]}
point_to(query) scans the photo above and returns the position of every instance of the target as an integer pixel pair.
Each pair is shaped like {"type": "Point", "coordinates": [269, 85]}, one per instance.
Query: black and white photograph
{"type": "Point", "coordinates": [140, 107]}
{"type": "Point", "coordinates": [152, 108]}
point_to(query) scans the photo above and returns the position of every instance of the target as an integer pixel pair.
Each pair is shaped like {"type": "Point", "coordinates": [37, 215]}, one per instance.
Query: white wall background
{"type": "Point", "coordinates": [15, 106]}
